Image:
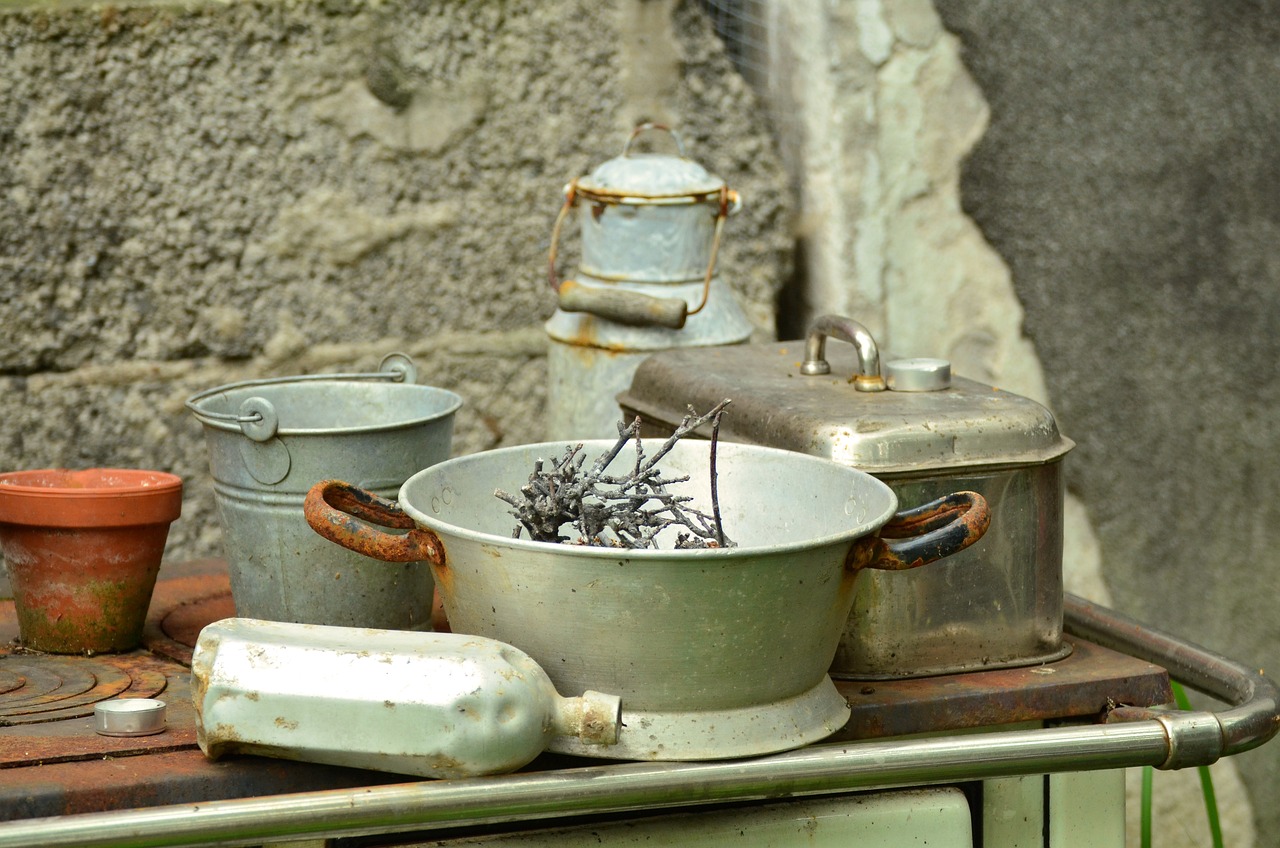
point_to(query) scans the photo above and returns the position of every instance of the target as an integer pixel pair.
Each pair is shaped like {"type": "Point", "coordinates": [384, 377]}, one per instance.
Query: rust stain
{"type": "Point", "coordinates": [439, 617]}
{"type": "Point", "coordinates": [929, 532]}
{"type": "Point", "coordinates": [1084, 684]}
{"type": "Point", "coordinates": [444, 581]}
{"type": "Point", "coordinates": [586, 337]}
{"type": "Point", "coordinates": [352, 517]}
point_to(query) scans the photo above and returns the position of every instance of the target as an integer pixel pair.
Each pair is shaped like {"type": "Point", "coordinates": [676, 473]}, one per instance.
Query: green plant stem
{"type": "Point", "coordinates": [1145, 809]}
{"type": "Point", "coordinates": [1206, 780]}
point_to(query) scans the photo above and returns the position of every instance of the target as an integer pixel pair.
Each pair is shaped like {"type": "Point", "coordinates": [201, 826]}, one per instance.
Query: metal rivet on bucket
{"type": "Point", "coordinates": [258, 419]}
{"type": "Point", "coordinates": [399, 363]}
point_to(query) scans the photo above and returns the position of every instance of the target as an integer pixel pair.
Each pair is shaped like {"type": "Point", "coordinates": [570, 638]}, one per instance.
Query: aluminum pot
{"type": "Point", "coordinates": [924, 433]}
{"type": "Point", "coordinates": [714, 652]}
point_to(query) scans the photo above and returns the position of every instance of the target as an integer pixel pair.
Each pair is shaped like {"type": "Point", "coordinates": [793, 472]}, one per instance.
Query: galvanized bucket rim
{"type": "Point", "coordinates": [454, 402]}
{"type": "Point", "coordinates": [867, 527]}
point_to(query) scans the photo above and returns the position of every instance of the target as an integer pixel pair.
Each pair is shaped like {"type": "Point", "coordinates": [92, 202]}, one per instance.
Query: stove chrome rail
{"type": "Point", "coordinates": [1130, 737]}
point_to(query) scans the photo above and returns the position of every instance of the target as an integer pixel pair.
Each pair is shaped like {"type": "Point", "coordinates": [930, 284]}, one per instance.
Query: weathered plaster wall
{"type": "Point", "coordinates": [1129, 178]}
{"type": "Point", "coordinates": [875, 113]}
{"type": "Point", "coordinates": [1125, 179]}
{"type": "Point", "coordinates": [191, 196]}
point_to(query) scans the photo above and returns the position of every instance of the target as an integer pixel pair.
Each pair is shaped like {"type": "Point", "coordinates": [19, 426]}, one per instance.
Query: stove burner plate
{"type": "Point", "coordinates": [37, 688]}
{"type": "Point", "coordinates": [179, 628]}
{"type": "Point", "coordinates": [10, 681]}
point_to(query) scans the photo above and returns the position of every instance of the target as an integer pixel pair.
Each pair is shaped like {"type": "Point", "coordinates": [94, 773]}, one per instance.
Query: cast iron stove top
{"type": "Point", "coordinates": [53, 763]}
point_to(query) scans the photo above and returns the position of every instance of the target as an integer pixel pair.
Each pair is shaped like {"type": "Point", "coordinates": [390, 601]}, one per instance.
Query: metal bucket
{"type": "Point", "coordinates": [717, 652]}
{"type": "Point", "coordinates": [270, 440]}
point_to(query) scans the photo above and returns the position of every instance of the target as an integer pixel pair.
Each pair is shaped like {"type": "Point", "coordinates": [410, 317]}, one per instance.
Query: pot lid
{"type": "Point", "coordinates": [640, 177]}
{"type": "Point", "coordinates": [882, 432]}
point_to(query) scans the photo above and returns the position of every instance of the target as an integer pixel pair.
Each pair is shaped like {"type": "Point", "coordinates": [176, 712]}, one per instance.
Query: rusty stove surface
{"type": "Point", "coordinates": [53, 763]}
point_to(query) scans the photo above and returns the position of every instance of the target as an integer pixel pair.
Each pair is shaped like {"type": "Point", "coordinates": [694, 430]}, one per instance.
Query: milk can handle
{"type": "Point", "coordinates": [640, 128]}
{"type": "Point", "coordinates": [924, 534]}
{"type": "Point", "coordinates": [634, 309]}
{"type": "Point", "coordinates": [345, 514]}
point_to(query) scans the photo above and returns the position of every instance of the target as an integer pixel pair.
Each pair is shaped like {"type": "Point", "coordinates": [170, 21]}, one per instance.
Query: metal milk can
{"type": "Point", "coordinates": [651, 225]}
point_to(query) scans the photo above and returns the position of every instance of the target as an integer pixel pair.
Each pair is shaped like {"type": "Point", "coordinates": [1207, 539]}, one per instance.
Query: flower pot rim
{"type": "Point", "coordinates": [92, 497]}
{"type": "Point", "coordinates": [71, 483]}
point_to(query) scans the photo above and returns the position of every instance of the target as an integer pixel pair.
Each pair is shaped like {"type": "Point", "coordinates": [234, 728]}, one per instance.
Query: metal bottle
{"type": "Point", "coordinates": [651, 225]}
{"type": "Point", "coordinates": [428, 704]}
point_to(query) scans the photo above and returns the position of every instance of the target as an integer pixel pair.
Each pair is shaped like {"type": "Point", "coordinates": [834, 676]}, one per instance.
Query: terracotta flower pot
{"type": "Point", "coordinates": [83, 549]}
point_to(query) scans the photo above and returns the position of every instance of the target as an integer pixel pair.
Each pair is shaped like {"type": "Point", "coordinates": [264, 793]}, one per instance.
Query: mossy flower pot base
{"type": "Point", "coordinates": [83, 549]}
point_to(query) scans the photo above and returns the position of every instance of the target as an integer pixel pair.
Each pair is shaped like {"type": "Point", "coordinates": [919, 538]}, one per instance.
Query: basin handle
{"type": "Point", "coordinates": [345, 514]}
{"type": "Point", "coordinates": [924, 534]}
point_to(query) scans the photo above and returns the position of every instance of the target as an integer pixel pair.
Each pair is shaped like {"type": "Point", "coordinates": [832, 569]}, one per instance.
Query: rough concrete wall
{"type": "Point", "coordinates": [1129, 178]}
{"type": "Point", "coordinates": [195, 196]}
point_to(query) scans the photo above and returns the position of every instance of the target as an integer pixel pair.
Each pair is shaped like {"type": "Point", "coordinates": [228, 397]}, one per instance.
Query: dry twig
{"type": "Point", "coordinates": [627, 511]}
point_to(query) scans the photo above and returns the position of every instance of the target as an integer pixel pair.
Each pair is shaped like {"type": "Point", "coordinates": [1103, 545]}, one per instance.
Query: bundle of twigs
{"type": "Point", "coordinates": [625, 511]}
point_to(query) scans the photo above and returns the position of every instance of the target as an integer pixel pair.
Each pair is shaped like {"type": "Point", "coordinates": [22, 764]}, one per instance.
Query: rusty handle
{"type": "Point", "coordinates": [344, 514]}
{"type": "Point", "coordinates": [925, 534]}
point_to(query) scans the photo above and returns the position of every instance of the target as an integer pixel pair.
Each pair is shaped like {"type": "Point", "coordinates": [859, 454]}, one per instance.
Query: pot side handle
{"type": "Point", "coordinates": [926, 533]}
{"type": "Point", "coordinates": [345, 514]}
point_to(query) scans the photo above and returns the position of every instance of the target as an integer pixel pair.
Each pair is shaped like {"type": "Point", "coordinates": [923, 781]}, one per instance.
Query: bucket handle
{"type": "Point", "coordinates": [257, 416]}
{"type": "Point", "coordinates": [344, 514]}
{"type": "Point", "coordinates": [924, 534]}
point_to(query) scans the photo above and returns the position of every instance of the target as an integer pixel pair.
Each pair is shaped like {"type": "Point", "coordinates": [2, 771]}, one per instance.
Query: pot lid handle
{"type": "Point", "coordinates": [868, 378]}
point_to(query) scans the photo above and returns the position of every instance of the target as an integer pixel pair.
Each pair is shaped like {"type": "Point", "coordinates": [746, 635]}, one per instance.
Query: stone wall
{"type": "Point", "coordinates": [200, 195]}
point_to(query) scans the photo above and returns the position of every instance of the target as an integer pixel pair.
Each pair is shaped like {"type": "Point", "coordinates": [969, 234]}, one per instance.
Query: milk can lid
{"type": "Point", "coordinates": [642, 177]}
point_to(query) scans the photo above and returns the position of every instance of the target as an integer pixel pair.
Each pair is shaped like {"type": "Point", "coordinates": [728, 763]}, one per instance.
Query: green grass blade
{"type": "Point", "coordinates": [1206, 780]}
{"type": "Point", "coordinates": [1145, 809]}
